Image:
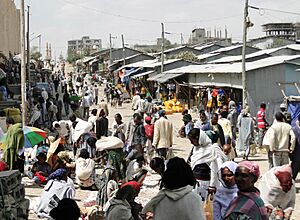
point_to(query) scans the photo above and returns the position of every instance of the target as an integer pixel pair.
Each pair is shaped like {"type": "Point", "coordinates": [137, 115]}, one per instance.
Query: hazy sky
{"type": "Point", "coordinates": [61, 20]}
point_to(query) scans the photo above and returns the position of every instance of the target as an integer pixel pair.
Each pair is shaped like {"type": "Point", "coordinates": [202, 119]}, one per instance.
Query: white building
{"type": "Point", "coordinates": [79, 46]}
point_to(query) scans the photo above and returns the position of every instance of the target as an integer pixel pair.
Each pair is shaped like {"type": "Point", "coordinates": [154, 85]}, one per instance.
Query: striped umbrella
{"type": "Point", "coordinates": [33, 136]}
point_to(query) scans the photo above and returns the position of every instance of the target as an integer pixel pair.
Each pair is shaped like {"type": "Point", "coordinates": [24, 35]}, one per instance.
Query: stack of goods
{"type": "Point", "coordinates": [172, 106]}
{"type": "Point", "coordinates": [13, 204]}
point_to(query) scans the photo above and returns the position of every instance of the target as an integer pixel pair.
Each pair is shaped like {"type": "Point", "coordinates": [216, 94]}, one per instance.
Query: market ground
{"type": "Point", "coordinates": [182, 148]}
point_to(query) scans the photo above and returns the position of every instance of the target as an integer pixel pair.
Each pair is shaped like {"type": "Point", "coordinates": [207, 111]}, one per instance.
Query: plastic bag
{"type": "Point", "coordinates": [208, 207]}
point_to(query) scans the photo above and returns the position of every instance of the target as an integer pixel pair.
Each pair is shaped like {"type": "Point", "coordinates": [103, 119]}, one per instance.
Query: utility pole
{"type": "Point", "coordinates": [244, 83]}
{"type": "Point", "coordinates": [124, 56]}
{"type": "Point", "coordinates": [23, 64]}
{"type": "Point", "coordinates": [110, 50]}
{"type": "Point", "coordinates": [28, 45]}
{"type": "Point", "coordinates": [162, 47]}
{"type": "Point", "coordinates": [181, 39]}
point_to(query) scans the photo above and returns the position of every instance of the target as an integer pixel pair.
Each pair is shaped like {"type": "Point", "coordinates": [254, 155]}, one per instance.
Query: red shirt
{"type": "Point", "coordinates": [261, 118]}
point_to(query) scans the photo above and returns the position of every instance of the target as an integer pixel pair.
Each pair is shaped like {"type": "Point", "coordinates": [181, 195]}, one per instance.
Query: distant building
{"type": "Point", "coordinates": [267, 42]}
{"type": "Point", "coordinates": [283, 30]}
{"type": "Point", "coordinates": [85, 45]}
{"type": "Point", "coordinates": [201, 36]}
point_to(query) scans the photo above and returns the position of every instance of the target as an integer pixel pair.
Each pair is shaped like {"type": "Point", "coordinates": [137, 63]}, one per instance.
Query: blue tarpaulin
{"type": "Point", "coordinates": [294, 109]}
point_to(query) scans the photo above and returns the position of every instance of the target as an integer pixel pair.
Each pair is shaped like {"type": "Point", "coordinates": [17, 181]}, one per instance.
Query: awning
{"type": "Point", "coordinates": [211, 84]}
{"type": "Point", "coordinates": [131, 71]}
{"type": "Point", "coordinates": [93, 61]}
{"type": "Point", "coordinates": [87, 59]}
{"type": "Point", "coordinates": [142, 74]}
{"type": "Point", "coordinates": [162, 77]}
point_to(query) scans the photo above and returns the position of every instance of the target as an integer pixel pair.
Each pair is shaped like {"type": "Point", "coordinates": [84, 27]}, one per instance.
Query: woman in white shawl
{"type": "Point", "coordinates": [85, 170]}
{"type": "Point", "coordinates": [277, 189]}
{"type": "Point", "coordinates": [227, 190]}
{"type": "Point", "coordinates": [203, 161]}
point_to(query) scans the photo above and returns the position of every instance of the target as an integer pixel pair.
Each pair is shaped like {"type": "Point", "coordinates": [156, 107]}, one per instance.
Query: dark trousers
{"type": "Point", "coordinates": [162, 152]}
{"type": "Point", "coordinates": [295, 168]}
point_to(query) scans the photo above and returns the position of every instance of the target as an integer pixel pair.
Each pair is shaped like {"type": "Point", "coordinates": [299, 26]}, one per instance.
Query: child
{"type": "Point", "coordinates": [149, 132]}
{"type": "Point", "coordinates": [40, 169]}
{"type": "Point", "coordinates": [227, 190]}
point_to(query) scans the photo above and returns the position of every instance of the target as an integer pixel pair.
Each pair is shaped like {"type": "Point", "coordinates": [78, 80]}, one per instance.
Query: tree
{"type": "Point", "coordinates": [72, 56]}
{"type": "Point", "coordinates": [35, 54]}
{"type": "Point", "coordinates": [188, 56]}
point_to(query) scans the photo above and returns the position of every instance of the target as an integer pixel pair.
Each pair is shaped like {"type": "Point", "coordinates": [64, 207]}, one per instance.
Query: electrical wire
{"type": "Point", "coordinates": [147, 20]}
{"type": "Point", "coordinates": [274, 10]}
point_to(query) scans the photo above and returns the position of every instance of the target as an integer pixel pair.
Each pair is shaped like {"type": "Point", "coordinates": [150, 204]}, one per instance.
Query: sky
{"type": "Point", "coordinates": [140, 20]}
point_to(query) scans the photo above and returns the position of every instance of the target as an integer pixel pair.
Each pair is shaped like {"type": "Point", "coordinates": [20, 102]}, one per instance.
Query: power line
{"type": "Point", "coordinates": [275, 10]}
{"type": "Point", "coordinates": [146, 20]}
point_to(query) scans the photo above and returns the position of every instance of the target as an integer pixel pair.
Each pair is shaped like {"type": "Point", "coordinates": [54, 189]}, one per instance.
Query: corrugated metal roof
{"type": "Point", "coordinates": [226, 49]}
{"type": "Point", "coordinates": [148, 63]}
{"type": "Point", "coordinates": [204, 46]}
{"type": "Point", "coordinates": [207, 55]}
{"type": "Point", "coordinates": [234, 67]}
{"type": "Point", "coordinates": [237, 58]}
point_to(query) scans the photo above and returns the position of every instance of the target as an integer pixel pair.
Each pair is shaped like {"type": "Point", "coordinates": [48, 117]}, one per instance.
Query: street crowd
{"type": "Point", "coordinates": [208, 185]}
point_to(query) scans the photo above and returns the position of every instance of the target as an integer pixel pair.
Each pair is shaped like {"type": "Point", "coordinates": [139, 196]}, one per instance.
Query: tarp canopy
{"type": "Point", "coordinates": [142, 74]}
{"type": "Point", "coordinates": [162, 77]}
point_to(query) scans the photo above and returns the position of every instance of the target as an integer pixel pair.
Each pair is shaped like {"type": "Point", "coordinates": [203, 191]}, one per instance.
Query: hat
{"type": "Point", "coordinates": [282, 105]}
{"type": "Point", "coordinates": [251, 166]}
{"type": "Point", "coordinates": [134, 184]}
{"type": "Point", "coordinates": [148, 119]}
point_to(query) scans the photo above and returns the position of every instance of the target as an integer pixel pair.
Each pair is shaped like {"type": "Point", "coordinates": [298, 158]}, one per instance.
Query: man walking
{"type": "Point", "coordinates": [136, 137]}
{"type": "Point", "coordinates": [86, 103]}
{"type": "Point", "coordinates": [282, 141]}
{"type": "Point", "coordinates": [163, 134]}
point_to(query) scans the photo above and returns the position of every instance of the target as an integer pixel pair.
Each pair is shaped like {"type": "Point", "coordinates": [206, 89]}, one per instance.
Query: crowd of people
{"type": "Point", "coordinates": [81, 141]}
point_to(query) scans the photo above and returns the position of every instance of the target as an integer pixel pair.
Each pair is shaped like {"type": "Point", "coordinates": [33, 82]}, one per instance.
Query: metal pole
{"type": "Point", "coordinates": [40, 44]}
{"type": "Point", "coordinates": [162, 47]}
{"type": "Point", "coordinates": [23, 64]}
{"type": "Point", "coordinates": [124, 56]}
{"type": "Point", "coordinates": [244, 83]}
{"type": "Point", "coordinates": [110, 50]}
{"type": "Point", "coordinates": [28, 44]}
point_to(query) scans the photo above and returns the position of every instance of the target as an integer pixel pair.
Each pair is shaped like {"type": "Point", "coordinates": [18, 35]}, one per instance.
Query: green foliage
{"type": "Point", "coordinates": [72, 56]}
{"type": "Point", "coordinates": [188, 56]}
{"type": "Point", "coordinates": [35, 54]}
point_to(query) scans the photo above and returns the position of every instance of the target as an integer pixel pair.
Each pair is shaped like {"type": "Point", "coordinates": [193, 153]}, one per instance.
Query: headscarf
{"type": "Point", "coordinates": [231, 166]}
{"type": "Point", "coordinates": [161, 113]}
{"type": "Point", "coordinates": [57, 174]}
{"type": "Point", "coordinates": [134, 184]}
{"type": "Point", "coordinates": [187, 118]}
{"type": "Point", "coordinates": [42, 150]}
{"type": "Point", "coordinates": [251, 166]}
{"type": "Point", "coordinates": [64, 156]}
{"type": "Point", "coordinates": [282, 169]}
